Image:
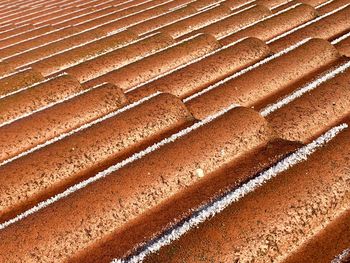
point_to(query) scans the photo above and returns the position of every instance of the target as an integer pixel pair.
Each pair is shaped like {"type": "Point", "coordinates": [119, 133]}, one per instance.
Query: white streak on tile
{"type": "Point", "coordinates": [239, 73]}
{"type": "Point", "coordinates": [218, 206]}
{"type": "Point", "coordinates": [119, 165]}
{"type": "Point", "coordinates": [308, 87]}
{"type": "Point", "coordinates": [342, 256]}
{"type": "Point", "coordinates": [341, 38]}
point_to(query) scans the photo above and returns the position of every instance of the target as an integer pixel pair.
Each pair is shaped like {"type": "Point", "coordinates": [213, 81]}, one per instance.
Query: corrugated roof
{"type": "Point", "coordinates": [174, 131]}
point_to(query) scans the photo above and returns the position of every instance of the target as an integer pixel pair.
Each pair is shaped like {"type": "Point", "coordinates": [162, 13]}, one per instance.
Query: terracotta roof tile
{"type": "Point", "coordinates": [275, 25]}
{"type": "Point", "coordinates": [198, 75]}
{"type": "Point", "coordinates": [233, 22]}
{"type": "Point", "coordinates": [105, 63]}
{"type": "Point", "coordinates": [272, 221]}
{"type": "Point", "coordinates": [245, 157]}
{"type": "Point", "coordinates": [165, 60]}
{"type": "Point", "coordinates": [266, 81]}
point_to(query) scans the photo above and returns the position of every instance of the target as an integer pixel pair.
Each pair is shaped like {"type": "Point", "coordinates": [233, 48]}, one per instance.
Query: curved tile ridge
{"type": "Point", "coordinates": [329, 6]}
{"type": "Point", "coordinates": [267, 80]}
{"type": "Point", "coordinates": [204, 71]}
{"type": "Point", "coordinates": [41, 95]}
{"type": "Point", "coordinates": [122, 56]}
{"type": "Point", "coordinates": [163, 61]}
{"type": "Point", "coordinates": [330, 245]}
{"type": "Point", "coordinates": [37, 41]}
{"type": "Point", "coordinates": [274, 25]}
{"type": "Point", "coordinates": [162, 20]}
{"type": "Point", "coordinates": [68, 44]}
{"type": "Point", "coordinates": [195, 21]}
{"type": "Point", "coordinates": [232, 22]}
{"type": "Point", "coordinates": [140, 186]}
{"type": "Point", "coordinates": [60, 61]}
{"type": "Point", "coordinates": [19, 80]}
{"type": "Point", "coordinates": [43, 173]}
{"type": "Point", "coordinates": [39, 126]}
{"type": "Point", "coordinates": [328, 26]}
{"type": "Point", "coordinates": [23, 36]}
{"type": "Point", "coordinates": [316, 111]}
{"type": "Point", "coordinates": [248, 226]}
{"type": "Point", "coordinates": [343, 44]}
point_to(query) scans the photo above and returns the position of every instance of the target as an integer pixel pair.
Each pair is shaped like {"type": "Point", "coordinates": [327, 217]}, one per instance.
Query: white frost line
{"type": "Point", "coordinates": [116, 167]}
{"type": "Point", "coordinates": [82, 32]}
{"type": "Point", "coordinates": [184, 18]}
{"type": "Point", "coordinates": [185, 65]}
{"type": "Point", "coordinates": [218, 206]}
{"type": "Point", "coordinates": [342, 256]}
{"type": "Point", "coordinates": [341, 38]}
{"type": "Point", "coordinates": [158, 51]}
{"type": "Point", "coordinates": [48, 106]}
{"type": "Point", "coordinates": [298, 93]}
{"type": "Point", "coordinates": [25, 32]}
{"type": "Point", "coordinates": [281, 4]}
{"type": "Point", "coordinates": [245, 70]}
{"type": "Point", "coordinates": [83, 127]}
{"type": "Point", "coordinates": [306, 24]}
{"type": "Point", "coordinates": [323, 4]}
{"type": "Point", "coordinates": [31, 86]}
{"type": "Point", "coordinates": [15, 72]}
{"type": "Point", "coordinates": [263, 19]}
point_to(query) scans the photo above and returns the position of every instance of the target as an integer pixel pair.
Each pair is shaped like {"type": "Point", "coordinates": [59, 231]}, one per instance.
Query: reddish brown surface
{"type": "Point", "coordinates": [271, 222]}
{"type": "Point", "coordinates": [199, 20]}
{"type": "Point", "coordinates": [344, 46]}
{"type": "Point", "coordinates": [61, 118]}
{"type": "Point", "coordinates": [201, 74]}
{"type": "Point", "coordinates": [168, 59]}
{"type": "Point", "coordinates": [327, 244]}
{"type": "Point", "coordinates": [35, 42]}
{"type": "Point", "coordinates": [331, 6]}
{"type": "Point", "coordinates": [133, 190]}
{"type": "Point", "coordinates": [315, 112]}
{"type": "Point", "coordinates": [232, 23]}
{"type": "Point", "coordinates": [24, 36]}
{"type": "Point", "coordinates": [157, 22]}
{"type": "Point", "coordinates": [274, 26]}
{"type": "Point", "coordinates": [105, 63]}
{"type": "Point", "coordinates": [40, 95]}
{"type": "Point", "coordinates": [76, 55]}
{"type": "Point", "coordinates": [19, 80]}
{"type": "Point", "coordinates": [264, 84]}
{"type": "Point", "coordinates": [51, 169]}
{"type": "Point", "coordinates": [327, 28]}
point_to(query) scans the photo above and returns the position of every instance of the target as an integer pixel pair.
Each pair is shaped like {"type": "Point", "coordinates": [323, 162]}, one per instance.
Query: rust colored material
{"type": "Point", "coordinates": [34, 98]}
{"type": "Point", "coordinates": [268, 82]}
{"type": "Point", "coordinates": [327, 244]}
{"type": "Point", "coordinates": [157, 22]}
{"type": "Point", "coordinates": [15, 31]}
{"type": "Point", "coordinates": [270, 3]}
{"type": "Point", "coordinates": [344, 46]}
{"type": "Point", "coordinates": [199, 75]}
{"type": "Point", "coordinates": [19, 80]}
{"type": "Point", "coordinates": [24, 36]}
{"type": "Point", "coordinates": [236, 5]}
{"type": "Point", "coordinates": [35, 42]}
{"type": "Point", "coordinates": [331, 6]}
{"type": "Point", "coordinates": [127, 17]}
{"type": "Point", "coordinates": [51, 169]}
{"type": "Point", "coordinates": [79, 54]}
{"type": "Point", "coordinates": [315, 112]}
{"type": "Point", "coordinates": [163, 61]}
{"type": "Point", "coordinates": [114, 203]}
{"type": "Point", "coordinates": [197, 21]}
{"type": "Point", "coordinates": [285, 6]}
{"type": "Point", "coordinates": [328, 28]}
{"type": "Point", "coordinates": [271, 222]}
{"type": "Point", "coordinates": [233, 22]}
{"type": "Point", "coordinates": [274, 26]}
{"type": "Point", "coordinates": [5, 68]}
{"type": "Point", "coordinates": [120, 57]}
{"type": "Point", "coordinates": [202, 4]}
{"type": "Point", "coordinates": [44, 125]}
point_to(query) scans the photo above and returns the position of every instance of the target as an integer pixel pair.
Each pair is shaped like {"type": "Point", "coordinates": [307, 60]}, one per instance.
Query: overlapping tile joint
{"type": "Point", "coordinates": [175, 131]}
